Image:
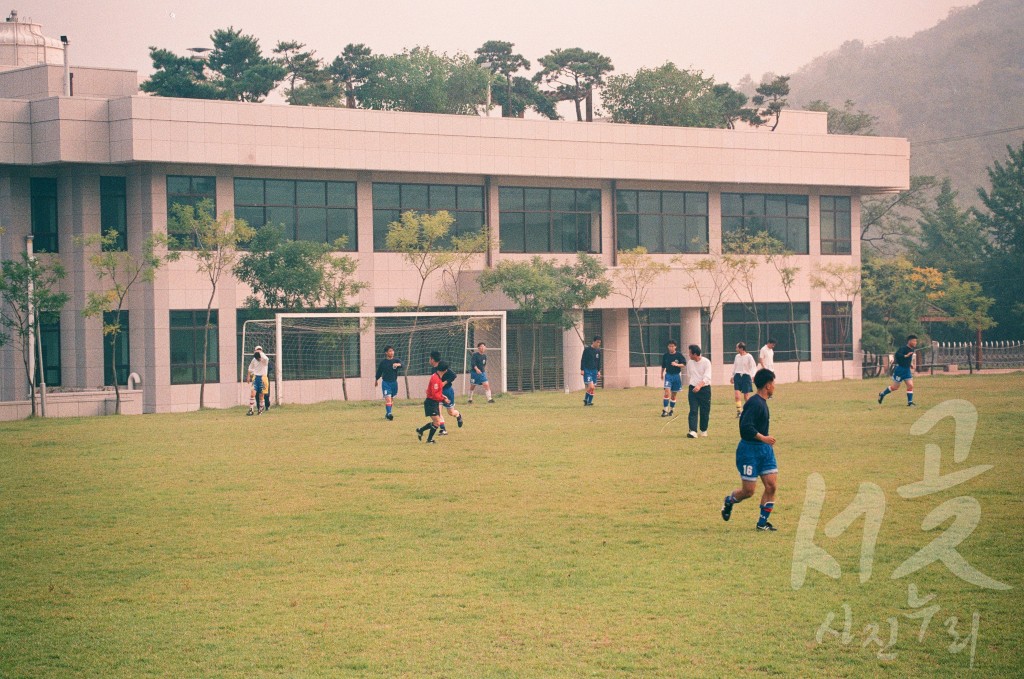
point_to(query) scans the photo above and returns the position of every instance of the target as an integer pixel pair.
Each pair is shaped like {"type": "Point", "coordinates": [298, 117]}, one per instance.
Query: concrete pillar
{"type": "Point", "coordinates": [82, 339]}
{"type": "Point", "coordinates": [572, 352]}
{"type": "Point", "coordinates": [615, 324]}
{"type": "Point", "coordinates": [493, 221]}
{"type": "Point", "coordinates": [368, 365]}
{"type": "Point", "coordinates": [715, 221]}
{"type": "Point", "coordinates": [690, 317]}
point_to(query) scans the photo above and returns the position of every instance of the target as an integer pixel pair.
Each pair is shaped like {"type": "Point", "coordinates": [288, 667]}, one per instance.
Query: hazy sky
{"type": "Point", "coordinates": [723, 39]}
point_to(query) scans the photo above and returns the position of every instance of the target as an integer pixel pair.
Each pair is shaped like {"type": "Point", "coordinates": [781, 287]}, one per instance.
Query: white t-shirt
{"type": "Point", "coordinates": [744, 364]}
{"type": "Point", "coordinates": [767, 357]}
{"type": "Point", "coordinates": [259, 367]}
{"type": "Point", "coordinates": [699, 372]}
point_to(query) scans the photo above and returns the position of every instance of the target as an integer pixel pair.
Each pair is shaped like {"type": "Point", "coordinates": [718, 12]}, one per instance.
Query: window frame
{"type": "Point", "coordinates": [773, 319]}
{"type": "Point", "coordinates": [624, 215]}
{"type": "Point", "coordinates": [759, 217]}
{"type": "Point", "coordinates": [298, 208]}
{"type": "Point", "coordinates": [49, 336]}
{"type": "Point", "coordinates": [123, 344]}
{"type": "Point", "coordinates": [194, 197]}
{"type": "Point", "coordinates": [118, 209]}
{"type": "Point", "coordinates": [835, 245]}
{"type": "Point", "coordinates": [831, 327]}
{"type": "Point", "coordinates": [511, 210]}
{"type": "Point", "coordinates": [386, 213]}
{"type": "Point", "coordinates": [44, 207]}
{"type": "Point", "coordinates": [194, 330]}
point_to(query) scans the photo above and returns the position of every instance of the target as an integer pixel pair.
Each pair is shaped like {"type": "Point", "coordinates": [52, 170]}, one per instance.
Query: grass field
{"type": "Point", "coordinates": [543, 539]}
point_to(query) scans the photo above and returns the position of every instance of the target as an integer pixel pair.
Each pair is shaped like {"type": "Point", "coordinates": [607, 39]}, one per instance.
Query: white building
{"type": "Point", "coordinates": [109, 156]}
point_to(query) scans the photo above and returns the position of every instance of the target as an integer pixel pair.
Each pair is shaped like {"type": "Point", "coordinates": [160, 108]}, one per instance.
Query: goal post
{"type": "Point", "coordinates": [333, 356]}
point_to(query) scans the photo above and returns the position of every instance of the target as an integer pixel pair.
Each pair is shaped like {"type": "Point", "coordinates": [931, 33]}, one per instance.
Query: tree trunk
{"type": "Point", "coordinates": [643, 350]}
{"type": "Point", "coordinates": [206, 342]}
{"type": "Point", "coordinates": [579, 111]}
{"type": "Point", "coordinates": [344, 369]}
{"type": "Point", "coordinates": [28, 374]}
{"type": "Point", "coordinates": [113, 366]}
{"type": "Point", "coordinates": [42, 367]}
{"type": "Point", "coordinates": [590, 106]}
{"type": "Point", "coordinates": [350, 96]}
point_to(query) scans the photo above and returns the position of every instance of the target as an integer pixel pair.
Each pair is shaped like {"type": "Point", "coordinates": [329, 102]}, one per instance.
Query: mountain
{"type": "Point", "coordinates": [961, 78]}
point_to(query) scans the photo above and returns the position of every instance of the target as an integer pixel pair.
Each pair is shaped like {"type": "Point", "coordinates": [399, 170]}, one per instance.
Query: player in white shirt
{"type": "Point", "coordinates": [742, 379]}
{"type": "Point", "coordinates": [698, 373]}
{"type": "Point", "coordinates": [257, 374]}
{"type": "Point", "coordinates": [766, 357]}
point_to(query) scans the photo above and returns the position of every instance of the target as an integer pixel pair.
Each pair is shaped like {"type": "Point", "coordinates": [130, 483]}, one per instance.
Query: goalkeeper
{"type": "Point", "coordinates": [387, 370]}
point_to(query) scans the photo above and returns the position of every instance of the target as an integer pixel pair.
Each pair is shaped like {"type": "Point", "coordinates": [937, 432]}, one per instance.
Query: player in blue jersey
{"type": "Point", "coordinates": [387, 370]}
{"type": "Point", "coordinates": [755, 457]}
{"type": "Point", "coordinates": [672, 364]}
{"type": "Point", "coordinates": [478, 373]}
{"type": "Point", "coordinates": [590, 368]}
{"type": "Point", "coordinates": [448, 376]}
{"type": "Point", "coordinates": [904, 371]}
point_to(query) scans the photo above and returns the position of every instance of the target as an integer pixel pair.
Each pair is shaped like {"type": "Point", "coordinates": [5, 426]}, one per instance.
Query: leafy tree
{"type": "Point", "coordinates": [781, 260]}
{"type": "Point", "coordinates": [242, 72]}
{"type": "Point", "coordinates": [769, 101]}
{"type": "Point", "coordinates": [709, 279]}
{"type": "Point", "coordinates": [309, 83]}
{"type": "Point", "coordinates": [497, 57]}
{"type": "Point", "coordinates": [28, 287]}
{"type": "Point", "coordinates": [464, 252]}
{"type": "Point", "coordinates": [573, 74]}
{"type": "Point", "coordinates": [282, 273]}
{"type": "Point", "coordinates": [216, 252]}
{"type": "Point", "coordinates": [423, 241]}
{"type": "Point", "coordinates": [842, 283]}
{"type": "Point", "coordinates": [1002, 219]}
{"type": "Point", "coordinates": [235, 70]}
{"type": "Point", "coordinates": [845, 120]}
{"type": "Point", "coordinates": [665, 95]}
{"type": "Point", "coordinates": [892, 297]}
{"type": "Point", "coordinates": [120, 271]}
{"type": "Point", "coordinates": [887, 221]}
{"type": "Point", "coordinates": [351, 69]}
{"type": "Point", "coordinates": [950, 238]}
{"type": "Point", "coordinates": [732, 103]}
{"type": "Point", "coordinates": [525, 94]}
{"type": "Point", "coordinates": [542, 289]}
{"type": "Point", "coordinates": [425, 81]}
{"type": "Point", "coordinates": [175, 76]}
{"type": "Point", "coordinates": [636, 272]}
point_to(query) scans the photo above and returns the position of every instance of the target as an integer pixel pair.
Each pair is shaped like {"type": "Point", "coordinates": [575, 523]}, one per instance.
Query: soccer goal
{"type": "Point", "coordinates": [333, 356]}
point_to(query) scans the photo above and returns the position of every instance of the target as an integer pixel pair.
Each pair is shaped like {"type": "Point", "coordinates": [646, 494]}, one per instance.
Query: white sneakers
{"type": "Point", "coordinates": [704, 434]}
{"type": "Point", "coordinates": [693, 435]}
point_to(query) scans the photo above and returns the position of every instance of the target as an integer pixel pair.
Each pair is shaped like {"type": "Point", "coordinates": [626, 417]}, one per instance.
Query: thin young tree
{"type": "Point", "coordinates": [423, 241]}
{"type": "Point", "coordinates": [633, 278]}
{"type": "Point", "coordinates": [28, 288]}
{"type": "Point", "coordinates": [781, 260]}
{"type": "Point", "coordinates": [340, 288]}
{"type": "Point", "coordinates": [120, 271]}
{"type": "Point", "coordinates": [842, 284]}
{"type": "Point", "coordinates": [215, 250]}
{"type": "Point", "coordinates": [710, 279]}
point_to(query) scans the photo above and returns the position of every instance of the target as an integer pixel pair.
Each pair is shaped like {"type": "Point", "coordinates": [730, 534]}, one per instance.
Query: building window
{"type": "Point", "coordinates": [550, 220]}
{"type": "Point", "coordinates": [754, 324]}
{"type": "Point", "coordinates": [836, 331]}
{"type": "Point", "coordinates": [187, 347]}
{"type": "Point", "coordinates": [187, 191]}
{"type": "Point", "coordinates": [835, 225]}
{"type": "Point", "coordinates": [650, 335]}
{"type": "Point", "coordinates": [663, 221]}
{"type": "Point", "coordinates": [49, 337]}
{"type": "Point", "coordinates": [465, 203]}
{"type": "Point", "coordinates": [123, 356]}
{"type": "Point", "coordinates": [320, 212]}
{"type": "Point", "coordinates": [783, 217]}
{"type": "Point", "coordinates": [43, 192]}
{"type": "Point", "coordinates": [114, 211]}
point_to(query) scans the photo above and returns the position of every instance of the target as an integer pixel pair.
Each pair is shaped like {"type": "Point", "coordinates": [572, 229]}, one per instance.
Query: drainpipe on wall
{"type": "Point", "coordinates": [67, 67]}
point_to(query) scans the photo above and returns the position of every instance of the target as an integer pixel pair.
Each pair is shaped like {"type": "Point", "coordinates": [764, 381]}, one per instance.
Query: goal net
{"type": "Point", "coordinates": [334, 356]}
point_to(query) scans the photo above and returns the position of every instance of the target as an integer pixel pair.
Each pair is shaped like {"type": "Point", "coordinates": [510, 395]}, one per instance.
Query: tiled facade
{"type": "Point", "coordinates": [107, 129]}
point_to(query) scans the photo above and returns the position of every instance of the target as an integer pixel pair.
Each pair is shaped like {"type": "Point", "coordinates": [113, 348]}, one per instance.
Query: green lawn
{"type": "Point", "coordinates": [543, 539]}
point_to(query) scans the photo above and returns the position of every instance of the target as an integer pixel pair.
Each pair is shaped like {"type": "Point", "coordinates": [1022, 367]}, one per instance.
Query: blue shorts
{"type": "Point", "coordinates": [478, 378]}
{"type": "Point", "coordinates": [741, 383]}
{"type": "Point", "coordinates": [589, 377]}
{"type": "Point", "coordinates": [674, 382]}
{"type": "Point", "coordinates": [449, 393]}
{"type": "Point", "coordinates": [754, 459]}
{"type": "Point", "coordinates": [900, 374]}
{"type": "Point", "coordinates": [389, 388]}
{"type": "Point", "coordinates": [259, 384]}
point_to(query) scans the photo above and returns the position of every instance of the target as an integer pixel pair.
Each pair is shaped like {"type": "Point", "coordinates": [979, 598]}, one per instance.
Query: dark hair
{"type": "Point", "coordinates": [388, 348]}
{"type": "Point", "coordinates": [442, 367]}
{"type": "Point", "coordinates": [910, 337]}
{"type": "Point", "coordinates": [694, 349]}
{"type": "Point", "coordinates": [480, 344]}
{"type": "Point", "coordinates": [671, 342]}
{"type": "Point", "coordinates": [597, 338]}
{"type": "Point", "coordinates": [436, 355]}
{"type": "Point", "coordinates": [763, 377]}
{"type": "Point", "coordinates": [741, 345]}
{"type": "Point", "coordinates": [771, 341]}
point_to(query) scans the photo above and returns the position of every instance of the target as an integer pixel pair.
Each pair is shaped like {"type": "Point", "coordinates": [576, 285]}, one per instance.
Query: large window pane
{"type": "Point", "coordinates": [122, 342]}
{"type": "Point", "coordinates": [186, 345]}
{"type": "Point", "coordinates": [313, 194]}
{"type": "Point", "coordinates": [650, 233]}
{"type": "Point", "coordinates": [538, 227]}
{"type": "Point", "coordinates": [628, 232]}
{"type": "Point", "coordinates": [312, 224]}
{"type": "Point", "coordinates": [754, 324]}
{"type": "Point", "coordinates": [114, 211]}
{"type": "Point", "coordinates": [280, 192]}
{"type": "Point", "coordinates": [661, 219]}
{"type": "Point", "coordinates": [248, 192]}
{"type": "Point", "coordinates": [341, 223]}
{"type": "Point", "coordinates": [43, 199]}
{"type": "Point", "coordinates": [464, 203]}
{"type": "Point", "coordinates": [188, 191]}
{"type": "Point", "coordinates": [836, 226]}
{"type": "Point", "coordinates": [443, 198]}
{"type": "Point", "coordinates": [386, 196]}
{"type": "Point", "coordinates": [784, 217]}
{"type": "Point", "coordinates": [415, 197]}
{"type": "Point", "coordinates": [471, 197]}
{"type": "Point", "coordinates": [512, 232]}
{"type": "Point", "coordinates": [341, 194]}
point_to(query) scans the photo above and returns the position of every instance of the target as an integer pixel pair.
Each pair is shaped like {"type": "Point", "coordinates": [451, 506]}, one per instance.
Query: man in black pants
{"type": "Point", "coordinates": [698, 373]}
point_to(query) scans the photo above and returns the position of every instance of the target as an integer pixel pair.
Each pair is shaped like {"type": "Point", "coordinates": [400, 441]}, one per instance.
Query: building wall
{"type": "Point", "coordinates": [144, 139]}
